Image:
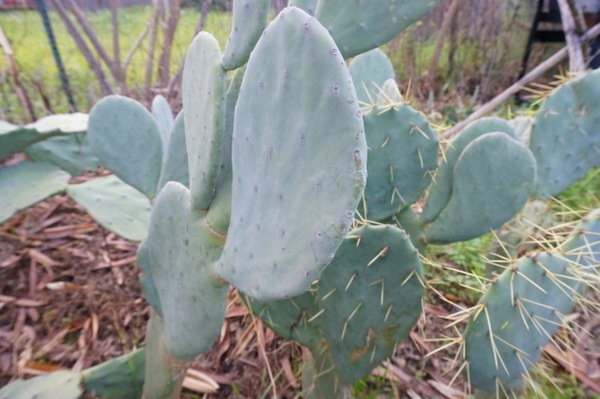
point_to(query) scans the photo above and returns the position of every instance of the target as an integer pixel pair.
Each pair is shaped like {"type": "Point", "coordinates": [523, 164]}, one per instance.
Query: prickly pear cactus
{"type": "Point", "coordinates": [403, 154]}
{"type": "Point", "coordinates": [182, 254]}
{"type": "Point", "coordinates": [565, 139]}
{"type": "Point", "coordinates": [115, 124]}
{"type": "Point", "coordinates": [327, 133]}
{"type": "Point", "coordinates": [522, 309]}
{"type": "Point", "coordinates": [57, 385]}
{"type": "Point", "coordinates": [294, 318]}
{"type": "Point", "coordinates": [15, 138]}
{"type": "Point", "coordinates": [371, 294]}
{"type": "Point", "coordinates": [203, 108]}
{"type": "Point", "coordinates": [441, 189]}
{"type": "Point", "coordinates": [492, 180]}
{"type": "Point", "coordinates": [163, 116]}
{"type": "Point", "coordinates": [368, 24]}
{"type": "Point", "coordinates": [122, 377]}
{"type": "Point", "coordinates": [115, 205]}
{"type": "Point", "coordinates": [175, 160]}
{"type": "Point", "coordinates": [249, 21]}
{"type": "Point", "coordinates": [27, 183]}
{"type": "Point", "coordinates": [369, 72]}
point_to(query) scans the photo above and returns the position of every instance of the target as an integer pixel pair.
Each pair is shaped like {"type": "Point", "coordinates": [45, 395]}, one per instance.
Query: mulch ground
{"type": "Point", "coordinates": [70, 299]}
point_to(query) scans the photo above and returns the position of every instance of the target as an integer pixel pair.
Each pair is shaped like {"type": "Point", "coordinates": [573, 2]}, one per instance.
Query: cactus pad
{"type": "Point", "coordinates": [147, 280]}
{"type": "Point", "coordinates": [175, 163]}
{"type": "Point", "coordinates": [310, 158]}
{"type": "Point", "coordinates": [441, 189]}
{"type": "Point", "coordinates": [125, 137]}
{"type": "Point", "coordinates": [163, 116]}
{"type": "Point", "coordinates": [203, 109]}
{"type": "Point", "coordinates": [182, 252]}
{"type": "Point", "coordinates": [122, 377]}
{"type": "Point", "coordinates": [367, 24]}
{"type": "Point", "coordinates": [565, 139]}
{"type": "Point", "coordinates": [249, 21]}
{"type": "Point", "coordinates": [369, 72]}
{"type": "Point", "coordinates": [115, 205]}
{"type": "Point", "coordinates": [296, 318]}
{"type": "Point", "coordinates": [14, 138]}
{"type": "Point", "coordinates": [71, 153]}
{"type": "Point", "coordinates": [492, 180]}
{"type": "Point", "coordinates": [403, 153]}
{"type": "Point", "coordinates": [57, 385]}
{"type": "Point", "coordinates": [371, 294]}
{"type": "Point", "coordinates": [523, 309]}
{"type": "Point", "coordinates": [26, 184]}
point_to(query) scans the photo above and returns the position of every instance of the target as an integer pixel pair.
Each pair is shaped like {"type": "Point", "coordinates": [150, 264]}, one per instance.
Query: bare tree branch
{"type": "Point", "coordinates": [576, 60]}
{"type": "Point", "coordinates": [14, 72]}
{"type": "Point", "coordinates": [117, 69]}
{"type": "Point", "coordinates": [524, 81]}
{"type": "Point", "coordinates": [151, 46]}
{"type": "Point", "coordinates": [85, 25]}
{"type": "Point", "coordinates": [441, 39]}
{"type": "Point", "coordinates": [206, 6]}
{"type": "Point", "coordinates": [83, 47]}
{"type": "Point", "coordinates": [164, 70]}
{"type": "Point", "coordinates": [135, 46]}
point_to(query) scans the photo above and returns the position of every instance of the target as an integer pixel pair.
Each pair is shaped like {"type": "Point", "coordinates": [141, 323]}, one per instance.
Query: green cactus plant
{"type": "Point", "coordinates": [276, 167]}
{"type": "Point", "coordinates": [14, 138]}
{"type": "Point", "coordinates": [522, 309]}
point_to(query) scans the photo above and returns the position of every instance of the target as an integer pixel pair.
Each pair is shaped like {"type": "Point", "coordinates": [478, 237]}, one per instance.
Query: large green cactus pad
{"type": "Point", "coordinates": [114, 204]}
{"type": "Point", "coordinates": [124, 136]}
{"type": "Point", "coordinates": [492, 180]}
{"type": "Point", "coordinates": [298, 145]}
{"type": "Point", "coordinates": [122, 377]}
{"type": "Point", "coordinates": [523, 309]}
{"type": "Point", "coordinates": [366, 24]}
{"type": "Point", "coordinates": [57, 385]}
{"type": "Point", "coordinates": [369, 72]}
{"type": "Point", "coordinates": [203, 108]}
{"type": "Point", "coordinates": [182, 251]}
{"type": "Point", "coordinates": [565, 138]}
{"type": "Point", "coordinates": [441, 189]}
{"type": "Point", "coordinates": [26, 184]}
{"type": "Point", "coordinates": [371, 294]}
{"type": "Point", "coordinates": [71, 153]}
{"type": "Point", "coordinates": [403, 153]}
{"type": "Point", "coordinates": [249, 21]}
{"type": "Point", "coordinates": [175, 165]}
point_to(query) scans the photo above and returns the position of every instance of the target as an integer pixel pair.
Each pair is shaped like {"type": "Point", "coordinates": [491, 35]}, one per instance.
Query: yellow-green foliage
{"type": "Point", "coordinates": [36, 63]}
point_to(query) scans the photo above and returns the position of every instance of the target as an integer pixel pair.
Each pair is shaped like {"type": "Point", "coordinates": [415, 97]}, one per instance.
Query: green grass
{"type": "Point", "coordinates": [36, 63]}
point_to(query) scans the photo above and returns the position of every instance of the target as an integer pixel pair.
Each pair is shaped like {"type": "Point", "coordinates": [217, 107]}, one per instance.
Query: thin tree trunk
{"type": "Point", "coordinates": [206, 6]}
{"type": "Point", "coordinates": [164, 70]}
{"type": "Point", "coordinates": [441, 39]}
{"type": "Point", "coordinates": [14, 72]}
{"type": "Point", "coordinates": [151, 46]}
{"type": "Point", "coordinates": [83, 22]}
{"type": "Point", "coordinates": [83, 47]}
{"type": "Point", "coordinates": [576, 60]}
{"type": "Point", "coordinates": [116, 68]}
